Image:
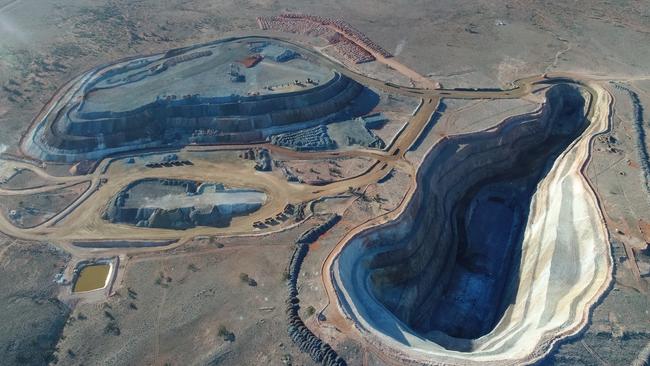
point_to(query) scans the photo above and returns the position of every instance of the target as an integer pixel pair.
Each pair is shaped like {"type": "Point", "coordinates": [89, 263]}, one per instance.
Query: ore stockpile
{"type": "Point", "coordinates": [181, 204]}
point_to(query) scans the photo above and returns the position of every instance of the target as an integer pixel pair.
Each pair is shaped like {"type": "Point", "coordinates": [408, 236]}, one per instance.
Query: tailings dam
{"type": "Point", "coordinates": [457, 272]}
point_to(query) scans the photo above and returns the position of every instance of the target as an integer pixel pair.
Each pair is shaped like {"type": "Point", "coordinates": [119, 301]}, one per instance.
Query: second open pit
{"type": "Point", "coordinates": [455, 275]}
{"type": "Point", "coordinates": [230, 91]}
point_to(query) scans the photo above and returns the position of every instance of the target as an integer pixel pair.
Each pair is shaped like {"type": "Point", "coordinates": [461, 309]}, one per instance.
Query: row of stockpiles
{"type": "Point", "coordinates": [344, 28]}
{"type": "Point", "coordinates": [349, 42]}
{"type": "Point", "coordinates": [314, 138]}
{"type": "Point", "coordinates": [169, 164]}
{"type": "Point", "coordinates": [297, 26]}
{"type": "Point", "coordinates": [307, 341]}
{"type": "Point", "coordinates": [312, 234]}
{"type": "Point", "coordinates": [353, 52]}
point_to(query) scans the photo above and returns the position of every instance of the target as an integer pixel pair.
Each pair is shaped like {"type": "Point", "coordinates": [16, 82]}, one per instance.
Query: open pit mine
{"type": "Point", "coordinates": [412, 223]}
{"type": "Point", "coordinates": [494, 256]}
{"type": "Point", "coordinates": [224, 92]}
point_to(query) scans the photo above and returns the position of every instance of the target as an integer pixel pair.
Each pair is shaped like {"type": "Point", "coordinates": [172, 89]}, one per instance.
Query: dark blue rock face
{"type": "Point", "coordinates": [456, 270]}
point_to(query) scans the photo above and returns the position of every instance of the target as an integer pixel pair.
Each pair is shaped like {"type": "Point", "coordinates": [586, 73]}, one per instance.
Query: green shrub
{"type": "Point", "coordinates": [309, 311]}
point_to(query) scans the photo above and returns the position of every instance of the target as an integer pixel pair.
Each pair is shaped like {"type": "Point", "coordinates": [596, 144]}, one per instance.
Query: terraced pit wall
{"type": "Point", "coordinates": [406, 266]}
{"type": "Point", "coordinates": [71, 136]}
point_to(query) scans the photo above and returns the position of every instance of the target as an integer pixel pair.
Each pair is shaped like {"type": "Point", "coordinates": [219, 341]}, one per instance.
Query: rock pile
{"type": "Point", "coordinates": [315, 138]}
{"type": "Point", "coordinates": [263, 161]}
{"type": "Point", "coordinates": [312, 234]}
{"type": "Point", "coordinates": [318, 350]}
{"type": "Point", "coordinates": [301, 335]}
{"type": "Point", "coordinates": [352, 43]}
{"type": "Point", "coordinates": [300, 211]}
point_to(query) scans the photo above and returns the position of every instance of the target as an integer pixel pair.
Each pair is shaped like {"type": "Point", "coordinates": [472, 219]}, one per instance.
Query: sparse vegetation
{"type": "Point", "coordinates": [243, 277]}
{"type": "Point", "coordinates": [287, 359]}
{"type": "Point", "coordinates": [309, 311]}
{"type": "Point", "coordinates": [247, 279]}
{"type": "Point", "coordinates": [163, 281]}
{"type": "Point", "coordinates": [379, 199]}
{"type": "Point", "coordinates": [112, 328]}
{"type": "Point", "coordinates": [225, 334]}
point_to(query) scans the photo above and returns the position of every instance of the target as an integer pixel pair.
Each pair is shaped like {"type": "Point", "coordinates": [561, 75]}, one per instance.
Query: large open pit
{"type": "Point", "coordinates": [451, 276]}
{"type": "Point", "coordinates": [230, 91]}
{"type": "Point", "coordinates": [181, 204]}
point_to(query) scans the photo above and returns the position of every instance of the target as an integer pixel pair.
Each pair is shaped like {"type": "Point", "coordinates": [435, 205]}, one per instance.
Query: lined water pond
{"type": "Point", "coordinates": [91, 277]}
